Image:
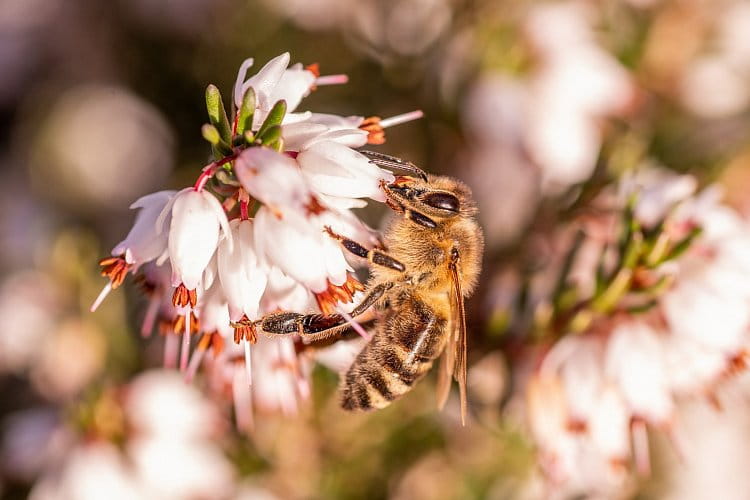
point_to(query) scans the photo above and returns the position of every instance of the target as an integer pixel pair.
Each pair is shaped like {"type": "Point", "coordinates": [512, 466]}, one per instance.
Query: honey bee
{"type": "Point", "coordinates": [429, 264]}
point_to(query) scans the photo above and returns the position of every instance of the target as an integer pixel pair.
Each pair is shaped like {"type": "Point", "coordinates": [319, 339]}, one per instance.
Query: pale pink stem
{"type": "Point", "coordinates": [248, 363]}
{"type": "Point", "coordinates": [185, 352]}
{"type": "Point", "coordinates": [640, 448]}
{"type": "Point", "coordinates": [243, 401]}
{"type": "Point", "coordinates": [195, 362]}
{"type": "Point", "coordinates": [170, 351]}
{"type": "Point", "coordinates": [286, 398]}
{"type": "Point", "coordinates": [102, 295]}
{"type": "Point", "coordinates": [244, 199]}
{"type": "Point", "coordinates": [210, 170]}
{"type": "Point", "coordinates": [331, 80]}
{"type": "Point", "coordinates": [403, 118]}
{"type": "Point", "coordinates": [303, 387]}
{"type": "Point", "coordinates": [147, 327]}
{"type": "Point", "coordinates": [357, 327]}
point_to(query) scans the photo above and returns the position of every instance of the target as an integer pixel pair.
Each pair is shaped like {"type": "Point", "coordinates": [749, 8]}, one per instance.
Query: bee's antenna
{"type": "Point", "coordinates": [388, 161]}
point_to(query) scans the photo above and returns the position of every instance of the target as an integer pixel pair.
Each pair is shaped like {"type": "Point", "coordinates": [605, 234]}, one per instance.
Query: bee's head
{"type": "Point", "coordinates": [437, 197]}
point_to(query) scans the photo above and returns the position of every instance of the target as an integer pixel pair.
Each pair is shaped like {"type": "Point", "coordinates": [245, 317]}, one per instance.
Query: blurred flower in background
{"type": "Point", "coordinates": [606, 145]}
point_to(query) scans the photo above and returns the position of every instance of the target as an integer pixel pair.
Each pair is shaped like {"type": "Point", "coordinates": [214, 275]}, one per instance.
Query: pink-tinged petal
{"type": "Point", "coordinates": [645, 389]}
{"type": "Point", "coordinates": [299, 253]}
{"type": "Point", "coordinates": [547, 410]}
{"type": "Point", "coordinates": [242, 280]}
{"type": "Point", "coordinates": [339, 356]}
{"type": "Point", "coordinates": [291, 118]}
{"type": "Point", "coordinates": [346, 223]}
{"type": "Point", "coordinates": [215, 312]}
{"type": "Point", "coordinates": [285, 293]}
{"type": "Point", "coordinates": [691, 366]}
{"type": "Point", "coordinates": [296, 134]}
{"type": "Point", "coordinates": [337, 170]}
{"type": "Point", "coordinates": [241, 74]}
{"type": "Point", "coordinates": [339, 203]}
{"type": "Point", "coordinates": [352, 138]}
{"type": "Point", "coordinates": [692, 310]}
{"type": "Point", "coordinates": [210, 273]}
{"type": "Point", "coordinates": [274, 179]}
{"type": "Point", "coordinates": [143, 243]}
{"type": "Point", "coordinates": [583, 378]}
{"type": "Point", "coordinates": [178, 468]}
{"type": "Point", "coordinates": [264, 82]}
{"type": "Point", "coordinates": [336, 122]}
{"type": "Point", "coordinates": [301, 135]}
{"type": "Point", "coordinates": [194, 234]}
{"type": "Point", "coordinates": [276, 374]}
{"type": "Point", "coordinates": [336, 264]}
{"type": "Point", "coordinates": [609, 426]}
{"type": "Point", "coordinates": [160, 404]}
{"type": "Point", "coordinates": [293, 86]}
{"type": "Point", "coordinates": [657, 193]}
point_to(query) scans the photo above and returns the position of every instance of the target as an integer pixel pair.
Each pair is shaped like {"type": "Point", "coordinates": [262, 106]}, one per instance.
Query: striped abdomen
{"type": "Point", "coordinates": [408, 340]}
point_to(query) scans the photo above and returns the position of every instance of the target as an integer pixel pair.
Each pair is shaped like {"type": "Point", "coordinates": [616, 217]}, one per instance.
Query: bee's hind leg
{"type": "Point", "coordinates": [316, 326]}
{"type": "Point", "coordinates": [374, 256]}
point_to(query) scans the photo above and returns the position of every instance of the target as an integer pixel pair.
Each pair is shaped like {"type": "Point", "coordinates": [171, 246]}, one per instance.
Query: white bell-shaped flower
{"type": "Point", "coordinates": [198, 222]}
{"type": "Point", "coordinates": [263, 83]}
{"type": "Point", "coordinates": [285, 293]}
{"type": "Point", "coordinates": [635, 361]}
{"type": "Point", "coordinates": [609, 425]}
{"type": "Point", "coordinates": [143, 243]}
{"type": "Point", "coordinates": [337, 170]}
{"type": "Point", "coordinates": [273, 83]}
{"type": "Point", "coordinates": [242, 278]}
{"type": "Point", "coordinates": [293, 86]}
{"type": "Point", "coordinates": [300, 249]}
{"type": "Point", "coordinates": [301, 135]}
{"type": "Point", "coordinates": [215, 312]}
{"type": "Point", "coordinates": [275, 180]}
{"type": "Point", "coordinates": [692, 309]}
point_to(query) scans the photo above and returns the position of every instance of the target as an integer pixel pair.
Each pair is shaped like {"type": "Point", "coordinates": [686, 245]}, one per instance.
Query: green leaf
{"type": "Point", "coordinates": [217, 115]}
{"type": "Point", "coordinates": [275, 117]}
{"type": "Point", "coordinates": [247, 109]}
{"type": "Point", "coordinates": [684, 244]}
{"type": "Point", "coordinates": [608, 299]}
{"type": "Point", "coordinates": [271, 135]}
{"type": "Point", "coordinates": [211, 134]}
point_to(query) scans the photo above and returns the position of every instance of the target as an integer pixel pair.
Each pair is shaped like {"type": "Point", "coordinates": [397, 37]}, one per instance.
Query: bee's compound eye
{"type": "Point", "coordinates": [443, 201]}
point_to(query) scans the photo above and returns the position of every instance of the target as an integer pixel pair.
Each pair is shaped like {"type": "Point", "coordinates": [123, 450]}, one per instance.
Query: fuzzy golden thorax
{"type": "Point", "coordinates": [426, 251]}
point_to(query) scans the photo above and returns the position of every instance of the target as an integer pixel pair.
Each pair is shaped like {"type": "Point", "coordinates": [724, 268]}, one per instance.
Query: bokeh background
{"type": "Point", "coordinates": [534, 104]}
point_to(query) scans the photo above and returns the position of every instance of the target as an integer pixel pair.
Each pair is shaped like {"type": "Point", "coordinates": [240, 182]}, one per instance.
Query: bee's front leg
{"type": "Point", "coordinates": [316, 326]}
{"type": "Point", "coordinates": [374, 256]}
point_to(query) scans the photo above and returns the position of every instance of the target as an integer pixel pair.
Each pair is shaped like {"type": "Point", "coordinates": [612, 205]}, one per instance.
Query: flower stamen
{"type": "Point", "coordinates": [244, 329]}
{"type": "Point", "coordinates": [375, 126]}
{"type": "Point", "coordinates": [329, 298]}
{"type": "Point", "coordinates": [182, 297]}
{"type": "Point", "coordinates": [115, 268]}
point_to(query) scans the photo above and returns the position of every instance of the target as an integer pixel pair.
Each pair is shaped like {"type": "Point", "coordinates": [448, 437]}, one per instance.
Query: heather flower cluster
{"type": "Point", "coordinates": [652, 308]}
{"type": "Point", "coordinates": [248, 238]}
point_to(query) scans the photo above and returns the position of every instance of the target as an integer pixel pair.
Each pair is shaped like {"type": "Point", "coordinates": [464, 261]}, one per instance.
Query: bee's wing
{"type": "Point", "coordinates": [459, 334]}
{"type": "Point", "coordinates": [447, 362]}
{"type": "Point", "coordinates": [454, 358]}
